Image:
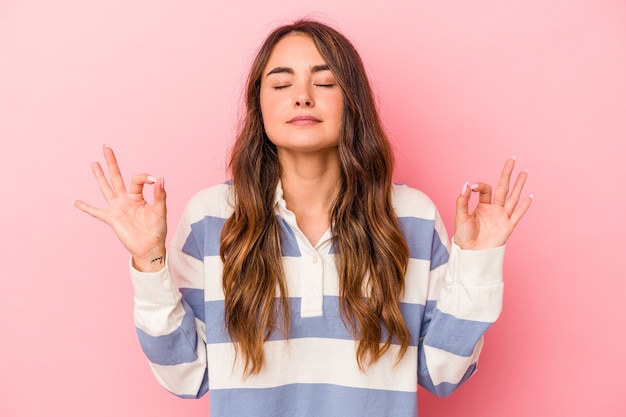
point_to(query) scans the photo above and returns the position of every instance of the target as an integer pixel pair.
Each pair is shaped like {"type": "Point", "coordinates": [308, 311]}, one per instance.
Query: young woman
{"type": "Point", "coordinates": [310, 285]}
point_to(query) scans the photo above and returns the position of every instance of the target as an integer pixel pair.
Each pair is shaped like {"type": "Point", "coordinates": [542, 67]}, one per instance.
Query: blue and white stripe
{"type": "Point", "coordinates": [451, 298]}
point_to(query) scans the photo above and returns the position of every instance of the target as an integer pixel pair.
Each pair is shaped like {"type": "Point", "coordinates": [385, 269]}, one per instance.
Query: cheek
{"type": "Point", "coordinates": [269, 117]}
{"type": "Point", "coordinates": [338, 110]}
{"type": "Point", "coordinates": [266, 113]}
{"type": "Point", "coordinates": [268, 107]}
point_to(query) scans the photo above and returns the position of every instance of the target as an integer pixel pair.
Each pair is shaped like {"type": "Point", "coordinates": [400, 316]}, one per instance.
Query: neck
{"type": "Point", "coordinates": [310, 180]}
{"type": "Point", "coordinates": [310, 184]}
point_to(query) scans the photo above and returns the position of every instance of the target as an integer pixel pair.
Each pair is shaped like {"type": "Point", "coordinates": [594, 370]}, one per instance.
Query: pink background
{"type": "Point", "coordinates": [461, 84]}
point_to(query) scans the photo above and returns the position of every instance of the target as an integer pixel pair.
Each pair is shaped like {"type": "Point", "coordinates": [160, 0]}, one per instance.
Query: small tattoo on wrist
{"type": "Point", "coordinates": [159, 260]}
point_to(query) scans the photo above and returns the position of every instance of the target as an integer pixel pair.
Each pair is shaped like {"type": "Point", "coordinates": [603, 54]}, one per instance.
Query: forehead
{"type": "Point", "coordinates": [293, 49]}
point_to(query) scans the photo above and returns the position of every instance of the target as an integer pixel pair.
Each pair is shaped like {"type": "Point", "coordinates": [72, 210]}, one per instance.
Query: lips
{"type": "Point", "coordinates": [304, 120]}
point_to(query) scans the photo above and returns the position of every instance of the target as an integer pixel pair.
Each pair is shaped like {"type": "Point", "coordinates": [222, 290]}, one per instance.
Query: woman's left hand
{"type": "Point", "coordinates": [492, 222]}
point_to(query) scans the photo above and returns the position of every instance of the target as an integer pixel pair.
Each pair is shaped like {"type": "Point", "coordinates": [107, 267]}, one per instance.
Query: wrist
{"type": "Point", "coordinates": [153, 261]}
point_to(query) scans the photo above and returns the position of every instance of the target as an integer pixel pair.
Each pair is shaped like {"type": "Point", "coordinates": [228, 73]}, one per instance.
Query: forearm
{"type": "Point", "coordinates": [170, 334]}
{"type": "Point", "coordinates": [468, 303]}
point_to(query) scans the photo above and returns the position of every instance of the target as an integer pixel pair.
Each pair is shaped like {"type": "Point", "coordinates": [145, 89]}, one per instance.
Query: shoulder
{"type": "Point", "coordinates": [214, 201]}
{"type": "Point", "coordinates": [421, 224]}
{"type": "Point", "coordinates": [410, 202]}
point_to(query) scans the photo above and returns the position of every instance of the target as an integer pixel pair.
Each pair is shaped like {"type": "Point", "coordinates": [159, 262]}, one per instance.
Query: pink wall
{"type": "Point", "coordinates": [462, 85]}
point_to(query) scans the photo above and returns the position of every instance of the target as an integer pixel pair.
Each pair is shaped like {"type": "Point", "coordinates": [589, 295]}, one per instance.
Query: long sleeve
{"type": "Point", "coordinates": [170, 304]}
{"type": "Point", "coordinates": [451, 295]}
{"type": "Point", "coordinates": [170, 334]}
{"type": "Point", "coordinates": [464, 307]}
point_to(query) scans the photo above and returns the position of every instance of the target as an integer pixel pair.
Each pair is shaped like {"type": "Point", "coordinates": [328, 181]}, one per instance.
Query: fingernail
{"type": "Point", "coordinates": [473, 186]}
{"type": "Point", "coordinates": [151, 178]}
{"type": "Point", "coordinates": [464, 189]}
{"type": "Point", "coordinates": [532, 196]}
{"type": "Point", "coordinates": [163, 183]}
{"type": "Point", "coordinates": [513, 158]}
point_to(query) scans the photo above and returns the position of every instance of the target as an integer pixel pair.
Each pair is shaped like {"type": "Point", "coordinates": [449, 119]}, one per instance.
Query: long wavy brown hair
{"type": "Point", "coordinates": [371, 252]}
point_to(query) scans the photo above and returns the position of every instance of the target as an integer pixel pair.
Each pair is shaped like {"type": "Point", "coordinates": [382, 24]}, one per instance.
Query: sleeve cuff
{"type": "Point", "coordinates": [154, 287]}
{"type": "Point", "coordinates": [476, 268]}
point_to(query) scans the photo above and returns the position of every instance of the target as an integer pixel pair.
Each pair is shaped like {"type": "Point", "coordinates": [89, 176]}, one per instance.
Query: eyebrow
{"type": "Point", "coordinates": [287, 70]}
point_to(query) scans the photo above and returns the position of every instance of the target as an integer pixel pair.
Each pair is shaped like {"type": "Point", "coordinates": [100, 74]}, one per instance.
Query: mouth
{"type": "Point", "coordinates": [304, 120]}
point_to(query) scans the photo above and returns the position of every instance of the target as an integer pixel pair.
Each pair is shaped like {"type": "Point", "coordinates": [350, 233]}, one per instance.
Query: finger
{"type": "Point", "coordinates": [105, 187]}
{"type": "Point", "coordinates": [521, 210]}
{"type": "Point", "coordinates": [502, 189]}
{"type": "Point", "coordinates": [462, 204]}
{"type": "Point", "coordinates": [513, 199]}
{"type": "Point", "coordinates": [92, 211]}
{"type": "Point", "coordinates": [484, 190]}
{"type": "Point", "coordinates": [160, 197]}
{"type": "Point", "coordinates": [138, 181]}
{"type": "Point", "coordinates": [117, 182]}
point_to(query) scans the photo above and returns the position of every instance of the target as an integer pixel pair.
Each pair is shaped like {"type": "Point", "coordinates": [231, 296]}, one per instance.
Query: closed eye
{"type": "Point", "coordinates": [324, 85]}
{"type": "Point", "coordinates": [280, 87]}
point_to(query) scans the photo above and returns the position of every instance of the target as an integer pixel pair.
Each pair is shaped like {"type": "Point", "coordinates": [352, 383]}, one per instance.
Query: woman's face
{"type": "Point", "coordinates": [301, 103]}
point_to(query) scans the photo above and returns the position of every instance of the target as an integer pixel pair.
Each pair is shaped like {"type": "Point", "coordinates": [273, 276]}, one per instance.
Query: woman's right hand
{"type": "Point", "coordinates": [140, 227]}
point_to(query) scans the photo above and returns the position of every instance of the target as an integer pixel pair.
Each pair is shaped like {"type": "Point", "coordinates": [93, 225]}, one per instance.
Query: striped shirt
{"type": "Point", "coordinates": [451, 297]}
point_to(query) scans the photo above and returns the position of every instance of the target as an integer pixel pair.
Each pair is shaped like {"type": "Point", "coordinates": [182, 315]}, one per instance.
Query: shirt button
{"type": "Point", "coordinates": [314, 289]}
{"type": "Point", "coordinates": [315, 259]}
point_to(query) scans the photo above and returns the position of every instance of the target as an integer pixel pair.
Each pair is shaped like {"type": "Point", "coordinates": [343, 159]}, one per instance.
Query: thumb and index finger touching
{"type": "Point", "coordinates": [462, 201]}
{"type": "Point", "coordinates": [500, 195]}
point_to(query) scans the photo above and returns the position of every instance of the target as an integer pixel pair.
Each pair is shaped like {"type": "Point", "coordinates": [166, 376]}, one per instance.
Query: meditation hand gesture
{"type": "Point", "coordinates": [139, 226]}
{"type": "Point", "coordinates": [492, 222]}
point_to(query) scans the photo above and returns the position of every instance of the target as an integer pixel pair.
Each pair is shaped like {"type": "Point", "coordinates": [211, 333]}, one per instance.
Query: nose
{"type": "Point", "coordinates": [302, 96]}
